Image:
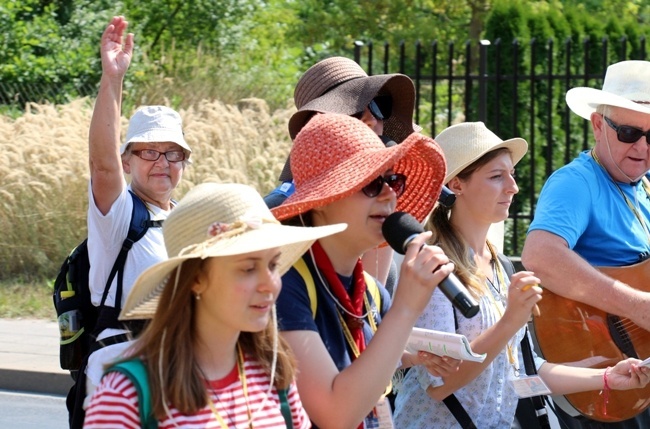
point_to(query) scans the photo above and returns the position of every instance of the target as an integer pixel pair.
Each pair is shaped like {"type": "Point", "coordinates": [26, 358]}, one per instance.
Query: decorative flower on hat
{"type": "Point", "coordinates": [219, 230]}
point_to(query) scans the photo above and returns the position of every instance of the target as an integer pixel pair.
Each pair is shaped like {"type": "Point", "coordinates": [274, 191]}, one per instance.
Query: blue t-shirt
{"type": "Point", "coordinates": [582, 204]}
{"type": "Point", "coordinates": [294, 312]}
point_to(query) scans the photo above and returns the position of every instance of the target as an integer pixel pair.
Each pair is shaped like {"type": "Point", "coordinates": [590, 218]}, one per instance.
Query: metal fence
{"type": "Point", "coordinates": [517, 89]}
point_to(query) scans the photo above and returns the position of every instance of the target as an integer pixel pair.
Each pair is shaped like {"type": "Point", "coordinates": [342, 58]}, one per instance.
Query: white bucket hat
{"type": "Point", "coordinates": [155, 124]}
{"type": "Point", "coordinates": [466, 142]}
{"type": "Point", "coordinates": [214, 220]}
{"type": "Point", "coordinates": [626, 85]}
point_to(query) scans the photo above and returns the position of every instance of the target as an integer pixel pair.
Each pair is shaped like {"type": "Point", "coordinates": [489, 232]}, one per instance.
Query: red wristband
{"type": "Point", "coordinates": [605, 391]}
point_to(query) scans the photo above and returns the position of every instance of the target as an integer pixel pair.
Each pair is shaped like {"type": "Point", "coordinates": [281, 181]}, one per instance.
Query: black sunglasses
{"type": "Point", "coordinates": [397, 182]}
{"type": "Point", "coordinates": [374, 111]}
{"type": "Point", "coordinates": [626, 133]}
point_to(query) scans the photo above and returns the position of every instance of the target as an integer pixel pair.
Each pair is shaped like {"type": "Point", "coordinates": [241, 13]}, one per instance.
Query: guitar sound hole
{"type": "Point", "coordinates": [620, 336]}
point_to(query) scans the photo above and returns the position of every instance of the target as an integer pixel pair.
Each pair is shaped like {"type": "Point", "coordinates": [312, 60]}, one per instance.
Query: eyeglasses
{"type": "Point", "coordinates": [397, 182]}
{"type": "Point", "coordinates": [153, 155]}
{"type": "Point", "coordinates": [375, 111]}
{"type": "Point", "coordinates": [626, 133]}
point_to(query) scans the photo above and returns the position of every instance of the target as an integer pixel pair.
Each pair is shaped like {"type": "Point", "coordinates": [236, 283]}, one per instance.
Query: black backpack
{"type": "Point", "coordinates": [77, 316]}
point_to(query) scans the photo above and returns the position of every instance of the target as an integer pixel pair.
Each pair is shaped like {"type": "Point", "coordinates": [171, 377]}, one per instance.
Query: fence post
{"type": "Point", "coordinates": [482, 81]}
{"type": "Point", "coordinates": [357, 51]}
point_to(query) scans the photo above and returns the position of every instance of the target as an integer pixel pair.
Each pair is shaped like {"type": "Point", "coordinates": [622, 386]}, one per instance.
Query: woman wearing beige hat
{"type": "Point", "coordinates": [211, 351]}
{"type": "Point", "coordinates": [480, 169]}
{"type": "Point", "coordinates": [344, 173]}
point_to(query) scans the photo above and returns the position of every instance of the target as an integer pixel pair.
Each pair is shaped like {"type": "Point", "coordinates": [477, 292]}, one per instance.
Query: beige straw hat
{"type": "Point", "coordinates": [215, 220]}
{"type": "Point", "coordinates": [466, 142]}
{"type": "Point", "coordinates": [340, 85]}
{"type": "Point", "coordinates": [626, 85]}
{"type": "Point", "coordinates": [335, 156]}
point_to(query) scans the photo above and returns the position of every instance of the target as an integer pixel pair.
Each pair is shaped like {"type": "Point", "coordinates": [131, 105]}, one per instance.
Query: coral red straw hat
{"type": "Point", "coordinates": [336, 155]}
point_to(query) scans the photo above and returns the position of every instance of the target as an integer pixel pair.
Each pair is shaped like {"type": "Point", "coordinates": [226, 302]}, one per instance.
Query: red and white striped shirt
{"type": "Point", "coordinates": [115, 404]}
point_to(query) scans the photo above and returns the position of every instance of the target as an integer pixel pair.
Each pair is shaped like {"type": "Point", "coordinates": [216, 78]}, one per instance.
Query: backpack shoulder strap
{"type": "Point", "coordinates": [507, 264]}
{"type": "Point", "coordinates": [285, 408]}
{"type": "Point", "coordinates": [140, 223]}
{"type": "Point", "coordinates": [135, 370]}
{"type": "Point", "coordinates": [301, 266]}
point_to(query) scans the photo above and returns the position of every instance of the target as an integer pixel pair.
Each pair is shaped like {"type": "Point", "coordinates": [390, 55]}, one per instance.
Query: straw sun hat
{"type": "Point", "coordinates": [335, 156]}
{"type": "Point", "coordinates": [215, 220]}
{"type": "Point", "coordinates": [466, 142]}
{"type": "Point", "coordinates": [340, 85]}
{"type": "Point", "coordinates": [626, 85]}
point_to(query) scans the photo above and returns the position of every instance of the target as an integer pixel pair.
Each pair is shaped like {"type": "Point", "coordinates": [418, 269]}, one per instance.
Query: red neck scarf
{"type": "Point", "coordinates": [353, 303]}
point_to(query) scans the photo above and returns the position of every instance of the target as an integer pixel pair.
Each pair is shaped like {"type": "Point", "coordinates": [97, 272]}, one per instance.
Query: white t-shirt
{"type": "Point", "coordinates": [106, 233]}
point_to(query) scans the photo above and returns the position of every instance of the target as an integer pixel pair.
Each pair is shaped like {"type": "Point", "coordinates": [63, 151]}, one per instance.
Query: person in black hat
{"type": "Point", "coordinates": [384, 102]}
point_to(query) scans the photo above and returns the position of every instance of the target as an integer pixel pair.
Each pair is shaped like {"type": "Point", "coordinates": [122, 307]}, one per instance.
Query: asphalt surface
{"type": "Point", "coordinates": [29, 357]}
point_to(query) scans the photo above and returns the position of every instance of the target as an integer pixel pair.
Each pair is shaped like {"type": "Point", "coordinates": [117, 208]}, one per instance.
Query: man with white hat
{"type": "Point", "coordinates": [154, 154]}
{"type": "Point", "coordinates": [595, 212]}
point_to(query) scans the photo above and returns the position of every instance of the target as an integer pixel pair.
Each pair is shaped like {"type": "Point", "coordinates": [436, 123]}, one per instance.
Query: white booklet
{"type": "Point", "coordinates": [442, 344]}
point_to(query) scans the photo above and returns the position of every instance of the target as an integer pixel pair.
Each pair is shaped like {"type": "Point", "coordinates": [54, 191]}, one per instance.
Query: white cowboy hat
{"type": "Point", "coordinates": [466, 142]}
{"type": "Point", "coordinates": [215, 220]}
{"type": "Point", "coordinates": [626, 85]}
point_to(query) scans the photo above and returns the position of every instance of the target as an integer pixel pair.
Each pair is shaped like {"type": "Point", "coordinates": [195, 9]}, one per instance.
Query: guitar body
{"type": "Point", "coordinates": [576, 334]}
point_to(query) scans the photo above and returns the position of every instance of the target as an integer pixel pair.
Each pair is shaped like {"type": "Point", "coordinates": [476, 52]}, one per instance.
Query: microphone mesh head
{"type": "Point", "coordinates": [398, 227]}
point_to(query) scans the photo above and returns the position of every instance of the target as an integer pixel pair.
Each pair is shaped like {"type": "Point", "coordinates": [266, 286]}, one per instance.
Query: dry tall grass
{"type": "Point", "coordinates": [44, 171]}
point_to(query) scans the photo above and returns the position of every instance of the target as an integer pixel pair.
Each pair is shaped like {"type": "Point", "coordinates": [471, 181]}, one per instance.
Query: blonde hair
{"type": "Point", "coordinates": [168, 346]}
{"type": "Point", "coordinates": [448, 238]}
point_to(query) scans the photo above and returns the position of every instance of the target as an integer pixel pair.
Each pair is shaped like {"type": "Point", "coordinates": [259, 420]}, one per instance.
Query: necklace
{"type": "Point", "coordinates": [636, 210]}
{"type": "Point", "coordinates": [349, 314]}
{"type": "Point", "coordinates": [497, 275]}
{"type": "Point", "coordinates": [242, 378]}
{"type": "Point", "coordinates": [511, 350]}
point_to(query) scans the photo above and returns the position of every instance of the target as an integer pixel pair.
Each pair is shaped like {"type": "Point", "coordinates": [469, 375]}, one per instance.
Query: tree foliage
{"type": "Point", "coordinates": [239, 48]}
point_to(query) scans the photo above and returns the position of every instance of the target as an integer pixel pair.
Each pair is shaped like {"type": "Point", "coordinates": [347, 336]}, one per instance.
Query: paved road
{"type": "Point", "coordinates": [31, 411]}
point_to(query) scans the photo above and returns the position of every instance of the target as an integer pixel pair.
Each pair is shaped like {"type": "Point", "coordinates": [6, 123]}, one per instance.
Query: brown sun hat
{"type": "Point", "coordinates": [340, 85]}
{"type": "Point", "coordinates": [336, 155]}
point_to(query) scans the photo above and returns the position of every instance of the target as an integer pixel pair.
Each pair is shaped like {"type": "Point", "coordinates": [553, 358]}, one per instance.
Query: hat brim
{"type": "Point", "coordinates": [417, 157]}
{"type": "Point", "coordinates": [158, 136]}
{"type": "Point", "coordinates": [517, 146]}
{"type": "Point", "coordinates": [142, 301]}
{"type": "Point", "coordinates": [584, 101]}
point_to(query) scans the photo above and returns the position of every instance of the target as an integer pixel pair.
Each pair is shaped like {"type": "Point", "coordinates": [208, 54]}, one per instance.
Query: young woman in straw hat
{"type": "Point", "coordinates": [211, 350]}
{"type": "Point", "coordinates": [344, 173]}
{"type": "Point", "coordinates": [480, 170]}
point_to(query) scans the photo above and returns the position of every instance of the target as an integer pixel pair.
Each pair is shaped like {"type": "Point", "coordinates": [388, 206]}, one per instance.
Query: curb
{"type": "Point", "coordinates": [35, 382]}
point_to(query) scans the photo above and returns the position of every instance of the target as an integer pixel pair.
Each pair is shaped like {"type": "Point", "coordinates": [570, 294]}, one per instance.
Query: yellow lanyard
{"type": "Point", "coordinates": [631, 206]}
{"type": "Point", "coordinates": [242, 378]}
{"type": "Point", "coordinates": [346, 330]}
{"type": "Point", "coordinates": [510, 350]}
{"type": "Point", "coordinates": [350, 340]}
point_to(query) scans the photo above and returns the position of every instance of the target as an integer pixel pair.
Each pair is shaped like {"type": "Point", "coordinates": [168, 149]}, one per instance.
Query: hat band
{"type": "Point", "coordinates": [218, 231]}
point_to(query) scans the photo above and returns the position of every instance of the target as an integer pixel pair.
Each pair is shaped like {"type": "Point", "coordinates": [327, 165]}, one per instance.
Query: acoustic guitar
{"type": "Point", "coordinates": [577, 334]}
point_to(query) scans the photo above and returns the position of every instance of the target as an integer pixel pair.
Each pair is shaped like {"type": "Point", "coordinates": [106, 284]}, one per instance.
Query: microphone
{"type": "Point", "coordinates": [399, 229]}
{"type": "Point", "coordinates": [447, 197]}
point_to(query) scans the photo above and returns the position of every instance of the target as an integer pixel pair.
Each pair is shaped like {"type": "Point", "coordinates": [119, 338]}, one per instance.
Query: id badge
{"type": "Point", "coordinates": [530, 385]}
{"type": "Point", "coordinates": [380, 417]}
